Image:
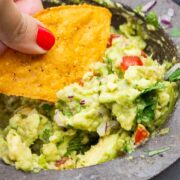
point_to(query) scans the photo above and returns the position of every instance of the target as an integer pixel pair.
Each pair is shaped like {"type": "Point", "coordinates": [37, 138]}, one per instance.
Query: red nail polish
{"type": "Point", "coordinates": [45, 39]}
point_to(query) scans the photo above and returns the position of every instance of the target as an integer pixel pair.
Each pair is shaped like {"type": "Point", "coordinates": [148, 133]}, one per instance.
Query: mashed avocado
{"type": "Point", "coordinates": [113, 109]}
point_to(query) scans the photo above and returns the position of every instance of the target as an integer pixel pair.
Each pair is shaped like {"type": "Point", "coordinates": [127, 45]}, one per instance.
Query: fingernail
{"type": "Point", "coordinates": [45, 39]}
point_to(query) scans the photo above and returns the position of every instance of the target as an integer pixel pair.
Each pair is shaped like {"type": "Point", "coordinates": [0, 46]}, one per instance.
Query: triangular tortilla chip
{"type": "Point", "coordinates": [81, 36]}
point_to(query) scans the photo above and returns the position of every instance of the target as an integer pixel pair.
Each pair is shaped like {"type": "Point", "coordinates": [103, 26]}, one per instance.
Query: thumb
{"type": "Point", "coordinates": [2, 48]}
{"type": "Point", "coordinates": [22, 32]}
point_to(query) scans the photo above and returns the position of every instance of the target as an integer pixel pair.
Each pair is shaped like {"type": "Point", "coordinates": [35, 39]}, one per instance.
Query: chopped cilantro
{"type": "Point", "coordinates": [146, 104]}
{"type": "Point", "coordinates": [151, 18]}
{"type": "Point", "coordinates": [145, 110]}
{"type": "Point", "coordinates": [175, 76]}
{"type": "Point", "coordinates": [157, 86]}
{"type": "Point", "coordinates": [75, 144]}
{"type": "Point", "coordinates": [81, 142]}
{"type": "Point", "coordinates": [47, 107]}
{"type": "Point", "coordinates": [128, 146]}
{"type": "Point", "coordinates": [46, 134]}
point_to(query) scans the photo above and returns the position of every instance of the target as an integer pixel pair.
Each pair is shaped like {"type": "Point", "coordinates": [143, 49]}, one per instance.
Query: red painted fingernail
{"type": "Point", "coordinates": [45, 39]}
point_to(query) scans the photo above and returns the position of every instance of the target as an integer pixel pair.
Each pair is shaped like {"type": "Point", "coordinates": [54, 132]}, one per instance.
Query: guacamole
{"type": "Point", "coordinates": [114, 108]}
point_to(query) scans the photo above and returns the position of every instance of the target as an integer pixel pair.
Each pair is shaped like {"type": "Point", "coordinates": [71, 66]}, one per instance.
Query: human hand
{"type": "Point", "coordinates": [20, 31]}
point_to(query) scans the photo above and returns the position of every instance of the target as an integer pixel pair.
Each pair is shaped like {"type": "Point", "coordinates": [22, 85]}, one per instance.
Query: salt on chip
{"type": "Point", "coordinates": [81, 33]}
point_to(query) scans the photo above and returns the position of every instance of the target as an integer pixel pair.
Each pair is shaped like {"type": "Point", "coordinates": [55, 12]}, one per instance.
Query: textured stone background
{"type": "Point", "coordinates": [177, 1]}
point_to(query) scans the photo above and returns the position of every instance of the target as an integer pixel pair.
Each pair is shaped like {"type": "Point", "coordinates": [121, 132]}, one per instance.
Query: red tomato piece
{"type": "Point", "coordinates": [112, 36]}
{"type": "Point", "coordinates": [141, 134]}
{"type": "Point", "coordinates": [130, 61]}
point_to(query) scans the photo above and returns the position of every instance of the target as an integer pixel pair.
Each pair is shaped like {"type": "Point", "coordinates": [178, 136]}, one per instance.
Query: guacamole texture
{"type": "Point", "coordinates": [115, 107]}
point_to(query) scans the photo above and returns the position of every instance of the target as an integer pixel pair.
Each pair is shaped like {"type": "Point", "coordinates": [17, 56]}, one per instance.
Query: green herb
{"type": "Point", "coordinates": [175, 32]}
{"type": "Point", "coordinates": [157, 86]}
{"type": "Point", "coordinates": [62, 106]}
{"type": "Point", "coordinates": [175, 76]}
{"type": "Point", "coordinates": [46, 134]}
{"type": "Point", "coordinates": [146, 104]}
{"type": "Point", "coordinates": [109, 63]}
{"type": "Point", "coordinates": [47, 107]}
{"type": "Point", "coordinates": [151, 18]}
{"type": "Point", "coordinates": [81, 142]}
{"type": "Point", "coordinates": [75, 144]}
{"type": "Point", "coordinates": [145, 109]}
{"type": "Point", "coordinates": [159, 151]}
{"type": "Point", "coordinates": [67, 112]}
{"type": "Point", "coordinates": [128, 146]}
{"type": "Point", "coordinates": [45, 131]}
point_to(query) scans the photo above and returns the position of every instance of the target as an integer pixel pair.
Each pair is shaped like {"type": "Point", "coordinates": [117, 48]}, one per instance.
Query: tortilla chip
{"type": "Point", "coordinates": [81, 36]}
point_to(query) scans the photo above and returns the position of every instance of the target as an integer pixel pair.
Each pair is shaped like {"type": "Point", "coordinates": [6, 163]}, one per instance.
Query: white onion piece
{"type": "Point", "coordinates": [57, 118]}
{"type": "Point", "coordinates": [149, 6]}
{"type": "Point", "coordinates": [174, 68]}
{"type": "Point", "coordinates": [102, 128]}
{"type": "Point", "coordinates": [170, 12]}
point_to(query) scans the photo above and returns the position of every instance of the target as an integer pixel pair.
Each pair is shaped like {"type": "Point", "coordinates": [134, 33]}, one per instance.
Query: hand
{"type": "Point", "coordinates": [20, 31]}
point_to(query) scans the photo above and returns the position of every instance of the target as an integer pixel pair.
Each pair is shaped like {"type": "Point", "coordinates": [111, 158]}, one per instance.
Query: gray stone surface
{"type": "Point", "coordinates": [139, 168]}
{"type": "Point", "coordinates": [177, 1]}
{"type": "Point", "coordinates": [171, 172]}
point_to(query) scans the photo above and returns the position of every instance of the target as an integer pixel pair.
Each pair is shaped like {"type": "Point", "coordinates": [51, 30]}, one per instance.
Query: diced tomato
{"type": "Point", "coordinates": [130, 61]}
{"type": "Point", "coordinates": [143, 54]}
{"type": "Point", "coordinates": [112, 36]}
{"type": "Point", "coordinates": [141, 134]}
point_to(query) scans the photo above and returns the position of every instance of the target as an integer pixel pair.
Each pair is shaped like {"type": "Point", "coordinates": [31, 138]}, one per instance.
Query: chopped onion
{"type": "Point", "coordinates": [57, 118]}
{"type": "Point", "coordinates": [166, 20]}
{"type": "Point", "coordinates": [82, 102]}
{"type": "Point", "coordinates": [170, 12]}
{"type": "Point", "coordinates": [102, 129]}
{"type": "Point", "coordinates": [149, 6]}
{"type": "Point", "coordinates": [70, 97]}
{"type": "Point", "coordinates": [173, 69]}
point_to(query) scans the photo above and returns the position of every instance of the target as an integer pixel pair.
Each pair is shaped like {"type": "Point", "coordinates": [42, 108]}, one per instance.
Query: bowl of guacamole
{"type": "Point", "coordinates": [116, 107]}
